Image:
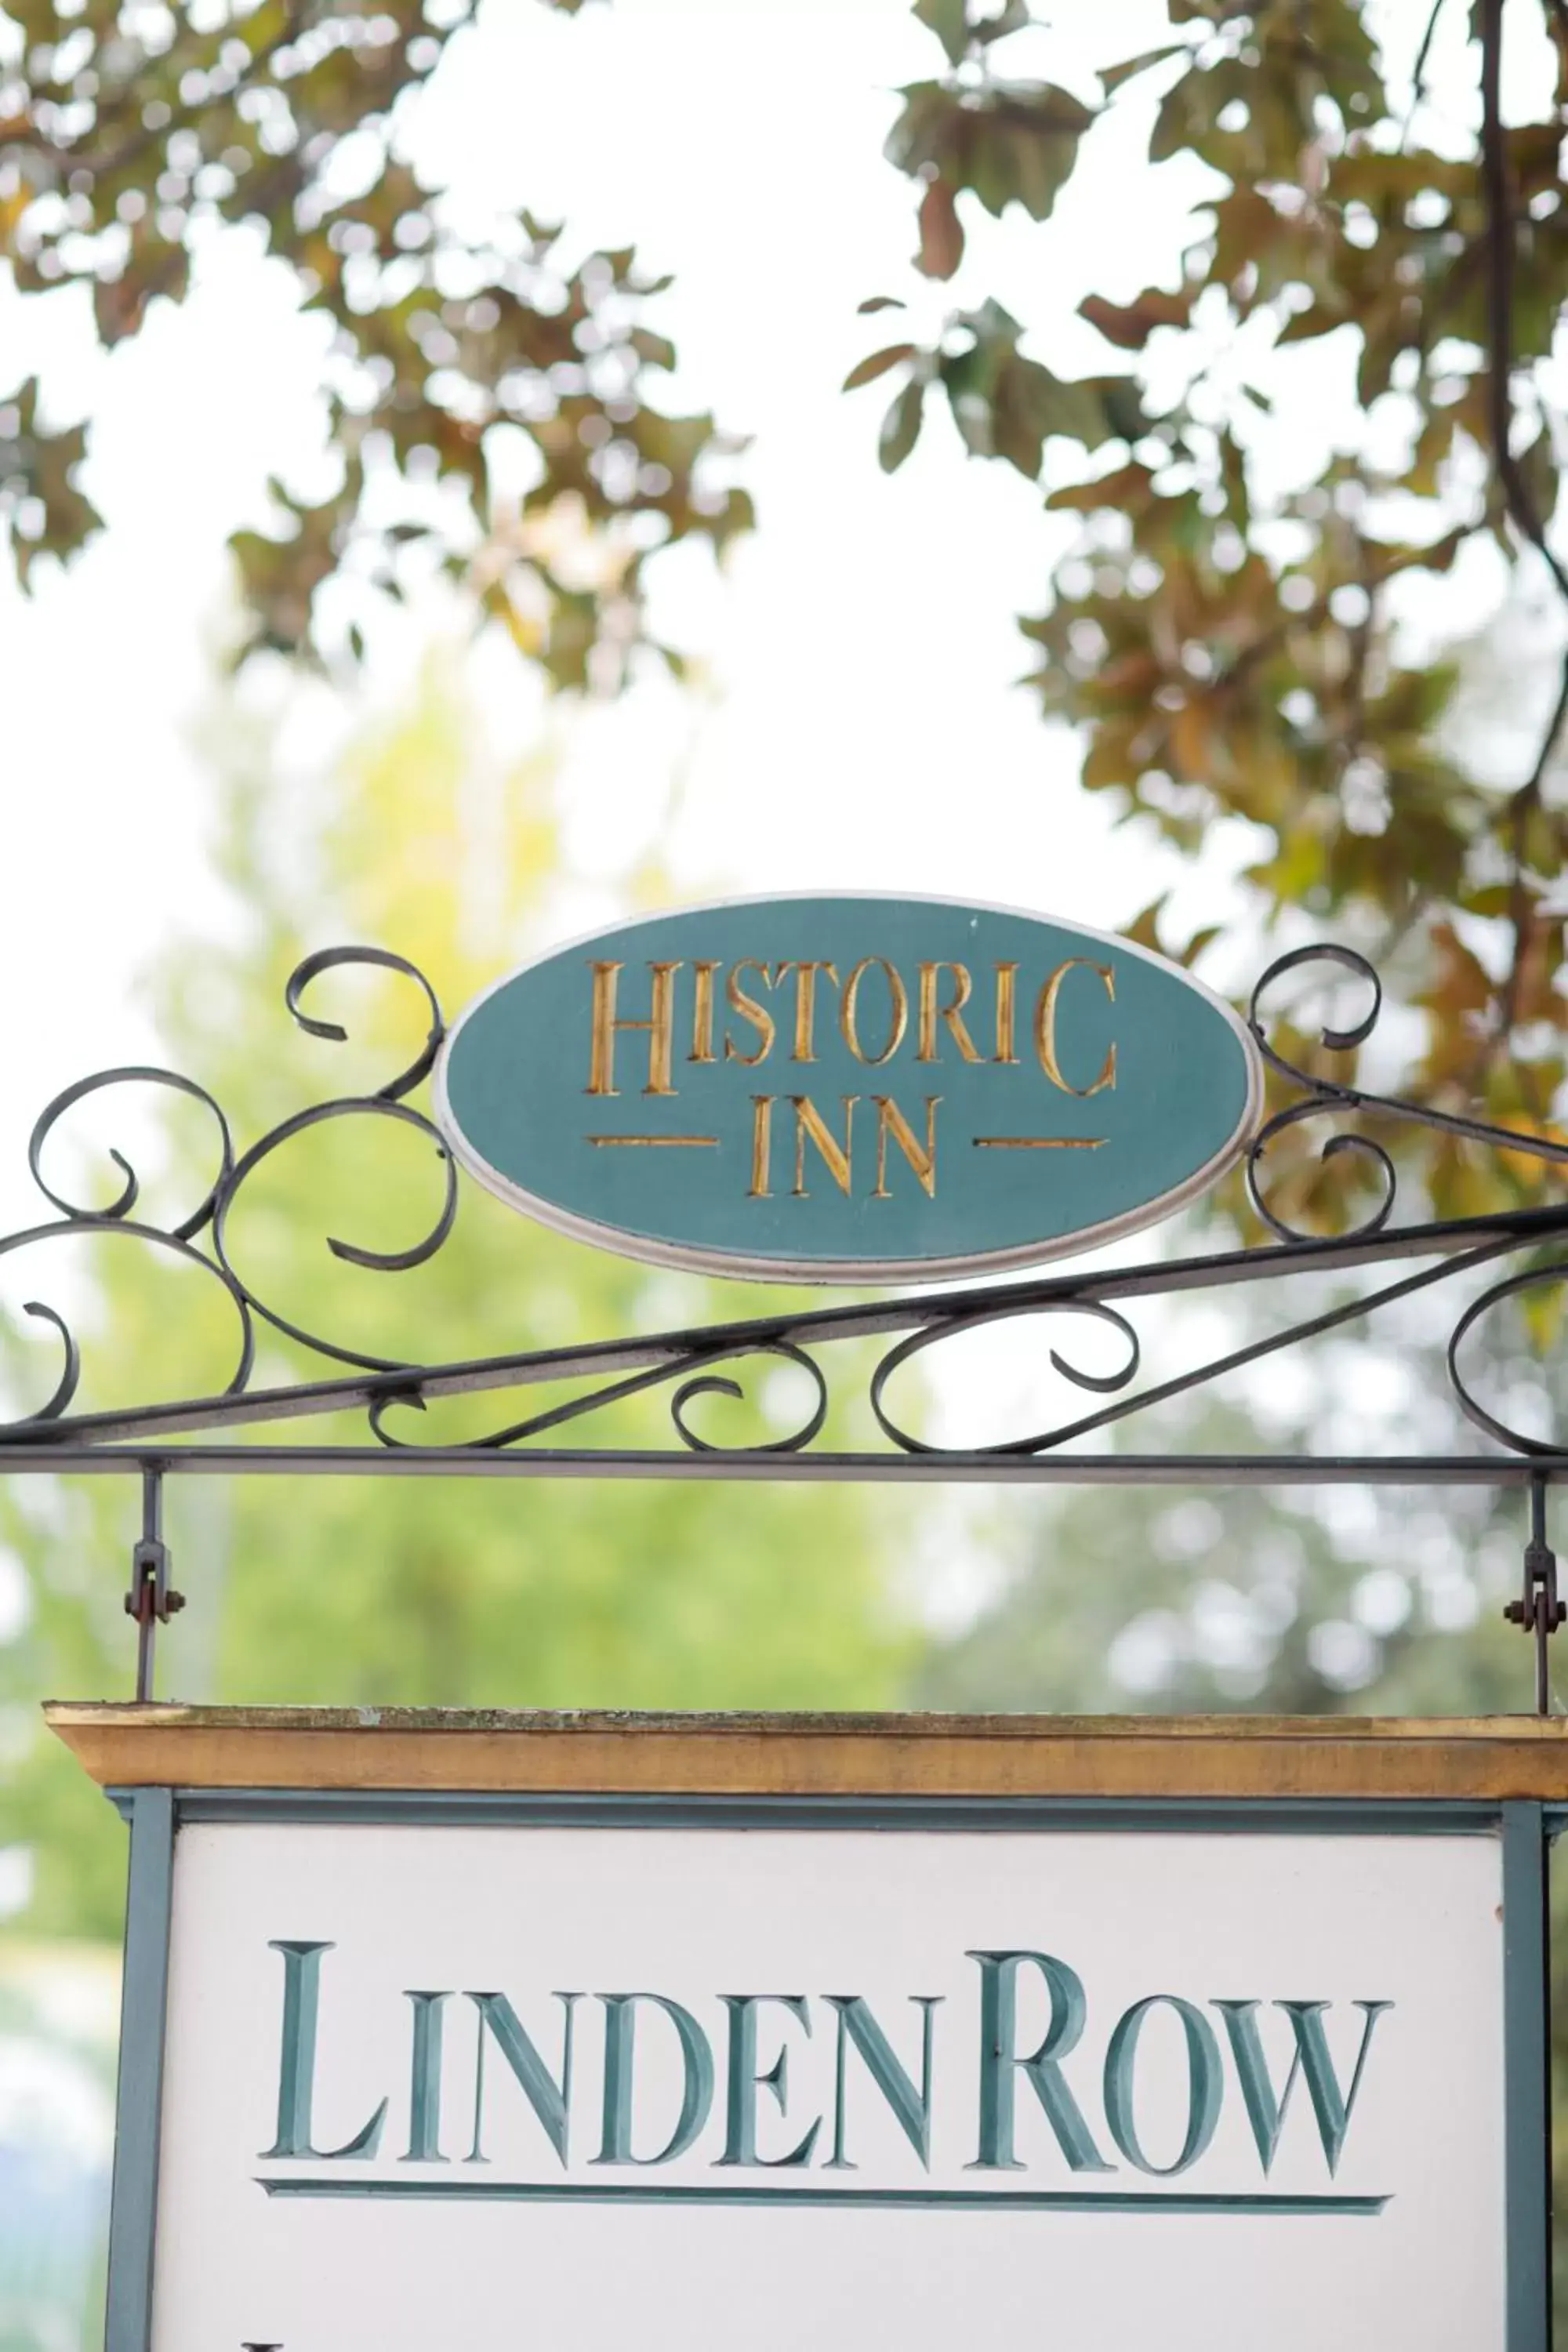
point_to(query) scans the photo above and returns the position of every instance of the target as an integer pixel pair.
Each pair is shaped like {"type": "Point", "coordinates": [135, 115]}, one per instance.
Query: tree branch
{"type": "Point", "coordinates": [1418, 75]}
{"type": "Point", "coordinates": [1501, 229]}
{"type": "Point", "coordinates": [1373, 577]}
{"type": "Point", "coordinates": [1514, 490]}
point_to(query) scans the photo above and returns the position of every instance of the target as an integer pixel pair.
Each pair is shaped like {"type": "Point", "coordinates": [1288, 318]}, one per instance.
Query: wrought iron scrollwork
{"type": "Point", "coordinates": [209, 1220]}
{"type": "Point", "coordinates": [131, 1192]}
{"type": "Point", "coordinates": [694, 1366]}
{"type": "Point", "coordinates": [70, 1375]}
{"type": "Point", "coordinates": [1547, 1275]}
{"type": "Point", "coordinates": [933, 1333]}
{"type": "Point", "coordinates": [335, 959]}
{"type": "Point", "coordinates": [378, 1106]}
{"type": "Point", "coordinates": [710, 1383]}
{"type": "Point", "coordinates": [118, 1227]}
{"type": "Point", "coordinates": [1324, 1095]}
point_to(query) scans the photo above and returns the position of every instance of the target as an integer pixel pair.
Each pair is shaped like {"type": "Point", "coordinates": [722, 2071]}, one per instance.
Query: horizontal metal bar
{"type": "Point", "coordinates": [864, 1320]}
{"type": "Point", "coordinates": [1004, 1816]}
{"type": "Point", "coordinates": [1496, 1470]}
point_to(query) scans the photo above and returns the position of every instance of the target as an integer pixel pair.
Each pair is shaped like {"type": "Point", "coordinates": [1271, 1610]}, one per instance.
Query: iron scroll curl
{"type": "Point", "coordinates": [208, 1222]}
{"type": "Point", "coordinates": [131, 1191]}
{"type": "Point", "coordinates": [365, 958]}
{"type": "Point", "coordinates": [1553, 1273]}
{"type": "Point", "coordinates": [386, 1102]}
{"type": "Point", "coordinates": [933, 1335]}
{"type": "Point", "coordinates": [692, 1366]}
{"type": "Point", "coordinates": [1321, 1095]}
{"type": "Point", "coordinates": [1331, 1097]}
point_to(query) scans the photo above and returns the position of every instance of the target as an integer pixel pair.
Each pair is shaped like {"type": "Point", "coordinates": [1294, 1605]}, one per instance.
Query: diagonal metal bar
{"type": "Point", "coordinates": [692, 1347]}
{"type": "Point", "coordinates": [1238, 1359]}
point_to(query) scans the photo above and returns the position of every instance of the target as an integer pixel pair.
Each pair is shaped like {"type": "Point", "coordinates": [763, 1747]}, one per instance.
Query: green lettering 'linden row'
{"type": "Point", "coordinates": [1003, 2068]}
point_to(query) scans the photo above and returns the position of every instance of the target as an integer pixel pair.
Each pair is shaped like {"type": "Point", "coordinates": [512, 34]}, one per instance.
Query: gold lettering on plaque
{"type": "Point", "coordinates": [1046, 1026]}
{"type": "Point", "coordinates": [761, 1146]}
{"type": "Point", "coordinates": [658, 1027]}
{"type": "Point", "coordinates": [890, 1121]}
{"type": "Point", "coordinates": [1006, 985]}
{"type": "Point", "coordinates": [808, 1122]}
{"type": "Point", "coordinates": [749, 1010]}
{"type": "Point", "coordinates": [805, 1004]}
{"type": "Point", "coordinates": [702, 1013]}
{"type": "Point", "coordinates": [898, 1014]}
{"type": "Point", "coordinates": [950, 1012]}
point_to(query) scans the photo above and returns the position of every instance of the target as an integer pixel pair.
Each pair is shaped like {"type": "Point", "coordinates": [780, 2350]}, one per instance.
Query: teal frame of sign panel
{"type": "Point", "coordinates": [848, 1088]}
{"type": "Point", "coordinates": [156, 1815]}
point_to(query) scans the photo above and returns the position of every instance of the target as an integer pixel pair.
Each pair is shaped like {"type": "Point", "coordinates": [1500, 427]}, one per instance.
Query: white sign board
{"type": "Point", "coordinates": [517, 2088]}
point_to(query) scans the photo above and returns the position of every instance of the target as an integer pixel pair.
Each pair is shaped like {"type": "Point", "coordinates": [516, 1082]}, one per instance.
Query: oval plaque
{"type": "Point", "coordinates": [847, 1089]}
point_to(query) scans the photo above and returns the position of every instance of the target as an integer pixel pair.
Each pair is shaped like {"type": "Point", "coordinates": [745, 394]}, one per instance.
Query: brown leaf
{"type": "Point", "coordinates": [1129, 325]}
{"type": "Point", "coordinates": [877, 363]}
{"type": "Point", "coordinates": [942, 233]}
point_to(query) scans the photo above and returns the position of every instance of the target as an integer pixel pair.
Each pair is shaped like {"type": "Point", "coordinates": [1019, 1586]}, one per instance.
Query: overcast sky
{"type": "Point", "coordinates": [863, 726]}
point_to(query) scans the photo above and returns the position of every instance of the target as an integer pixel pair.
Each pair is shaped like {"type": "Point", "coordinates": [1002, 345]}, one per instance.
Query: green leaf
{"type": "Point", "coordinates": [1190, 111]}
{"type": "Point", "coordinates": [867, 369]}
{"type": "Point", "coordinates": [1112, 76]}
{"type": "Point", "coordinates": [654, 350]}
{"type": "Point", "coordinates": [1120, 407]}
{"type": "Point", "coordinates": [1025, 145]}
{"type": "Point", "coordinates": [1538, 470]}
{"type": "Point", "coordinates": [930, 132]}
{"type": "Point", "coordinates": [902, 426]}
{"type": "Point", "coordinates": [1009, 142]}
{"type": "Point", "coordinates": [949, 20]}
{"type": "Point", "coordinates": [1013, 18]}
{"type": "Point", "coordinates": [39, 464]}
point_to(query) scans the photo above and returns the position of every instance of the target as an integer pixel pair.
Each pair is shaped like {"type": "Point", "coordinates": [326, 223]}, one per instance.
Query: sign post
{"type": "Point", "coordinates": [471, 2031]}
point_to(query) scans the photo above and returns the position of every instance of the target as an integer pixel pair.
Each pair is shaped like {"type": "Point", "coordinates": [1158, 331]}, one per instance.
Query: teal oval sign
{"type": "Point", "coordinates": [847, 1089]}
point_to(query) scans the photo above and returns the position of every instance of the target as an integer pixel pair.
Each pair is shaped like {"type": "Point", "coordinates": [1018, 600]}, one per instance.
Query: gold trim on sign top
{"type": "Point", "coordinates": [1488, 1758]}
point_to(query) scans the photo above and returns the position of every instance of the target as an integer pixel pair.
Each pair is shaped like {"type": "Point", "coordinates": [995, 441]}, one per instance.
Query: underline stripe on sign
{"type": "Point", "coordinates": [1038, 1142]}
{"type": "Point", "coordinates": [651, 1142]}
{"type": "Point", "coordinates": [1000, 2200]}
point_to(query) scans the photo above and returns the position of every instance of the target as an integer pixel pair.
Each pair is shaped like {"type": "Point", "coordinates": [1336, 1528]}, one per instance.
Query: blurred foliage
{"type": "Point", "coordinates": [516, 1592]}
{"type": "Point", "coordinates": [1178, 1601]}
{"type": "Point", "coordinates": [1231, 650]}
{"type": "Point", "coordinates": [130, 129]}
{"type": "Point", "coordinates": [38, 464]}
{"type": "Point", "coordinates": [59, 2015]}
{"type": "Point", "coordinates": [1308, 1600]}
